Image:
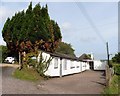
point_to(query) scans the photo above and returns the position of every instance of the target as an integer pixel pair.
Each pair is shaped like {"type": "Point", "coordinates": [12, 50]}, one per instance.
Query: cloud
{"type": "Point", "coordinates": [6, 12]}
{"type": "Point", "coordinates": [86, 35]}
{"type": "Point", "coordinates": [60, 1]}
{"type": "Point", "coordinates": [3, 13]}
{"type": "Point", "coordinates": [2, 42]}
{"type": "Point", "coordinates": [66, 26]}
{"type": "Point", "coordinates": [9, 9]}
{"type": "Point", "coordinates": [73, 34]}
{"type": "Point", "coordinates": [87, 39]}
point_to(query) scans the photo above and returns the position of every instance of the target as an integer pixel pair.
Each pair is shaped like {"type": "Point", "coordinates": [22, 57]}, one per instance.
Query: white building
{"type": "Point", "coordinates": [62, 64]}
{"type": "Point", "coordinates": [100, 64]}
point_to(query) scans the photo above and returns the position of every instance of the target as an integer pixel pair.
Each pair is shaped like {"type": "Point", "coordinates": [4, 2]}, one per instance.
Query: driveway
{"type": "Point", "coordinates": [88, 82]}
{"type": "Point", "coordinates": [11, 85]}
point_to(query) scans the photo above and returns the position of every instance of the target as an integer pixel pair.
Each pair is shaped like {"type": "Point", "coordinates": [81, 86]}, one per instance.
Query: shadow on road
{"type": "Point", "coordinates": [99, 83]}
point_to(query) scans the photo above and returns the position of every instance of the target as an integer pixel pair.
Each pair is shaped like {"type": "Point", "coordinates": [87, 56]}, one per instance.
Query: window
{"type": "Point", "coordinates": [65, 64]}
{"type": "Point", "coordinates": [55, 63]}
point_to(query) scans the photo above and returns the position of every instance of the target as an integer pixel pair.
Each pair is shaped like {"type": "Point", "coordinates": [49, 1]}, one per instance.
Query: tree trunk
{"type": "Point", "coordinates": [20, 65]}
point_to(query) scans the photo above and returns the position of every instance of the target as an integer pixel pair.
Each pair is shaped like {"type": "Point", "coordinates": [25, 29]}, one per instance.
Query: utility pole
{"type": "Point", "coordinates": [107, 53]}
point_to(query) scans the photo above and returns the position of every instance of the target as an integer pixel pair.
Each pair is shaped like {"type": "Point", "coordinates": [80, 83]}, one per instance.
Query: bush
{"type": "Point", "coordinates": [116, 58]}
{"type": "Point", "coordinates": [113, 87]}
{"type": "Point", "coordinates": [117, 69]}
{"type": "Point", "coordinates": [27, 74]}
{"type": "Point", "coordinates": [41, 66]}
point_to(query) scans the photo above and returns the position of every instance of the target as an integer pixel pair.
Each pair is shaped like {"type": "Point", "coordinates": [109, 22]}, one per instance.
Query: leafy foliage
{"type": "Point", "coordinates": [43, 64]}
{"type": "Point", "coordinates": [4, 52]}
{"type": "Point", "coordinates": [116, 58]}
{"type": "Point", "coordinates": [27, 74]}
{"type": "Point", "coordinates": [113, 89]}
{"type": "Point", "coordinates": [31, 30]}
{"type": "Point", "coordinates": [65, 49]}
{"type": "Point", "coordinates": [40, 66]}
{"type": "Point", "coordinates": [117, 69]}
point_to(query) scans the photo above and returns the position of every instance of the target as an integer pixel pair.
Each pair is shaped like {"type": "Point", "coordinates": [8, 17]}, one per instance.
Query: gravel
{"type": "Point", "coordinates": [88, 82]}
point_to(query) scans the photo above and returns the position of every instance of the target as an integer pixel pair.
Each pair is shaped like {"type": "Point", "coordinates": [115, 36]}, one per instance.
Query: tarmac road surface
{"type": "Point", "coordinates": [88, 82]}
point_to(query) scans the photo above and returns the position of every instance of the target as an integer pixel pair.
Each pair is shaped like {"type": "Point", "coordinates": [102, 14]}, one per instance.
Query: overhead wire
{"type": "Point", "coordinates": [92, 24]}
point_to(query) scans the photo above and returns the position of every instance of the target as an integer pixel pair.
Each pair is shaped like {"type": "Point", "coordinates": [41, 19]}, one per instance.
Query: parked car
{"type": "Point", "coordinates": [33, 58]}
{"type": "Point", "coordinates": [10, 60]}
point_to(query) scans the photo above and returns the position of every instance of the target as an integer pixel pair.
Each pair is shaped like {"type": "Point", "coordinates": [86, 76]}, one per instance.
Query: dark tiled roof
{"type": "Point", "coordinates": [84, 57]}
{"type": "Point", "coordinates": [65, 56]}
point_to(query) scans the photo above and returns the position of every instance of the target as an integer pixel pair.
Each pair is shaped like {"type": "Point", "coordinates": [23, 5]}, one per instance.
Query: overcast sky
{"type": "Point", "coordinates": [87, 26]}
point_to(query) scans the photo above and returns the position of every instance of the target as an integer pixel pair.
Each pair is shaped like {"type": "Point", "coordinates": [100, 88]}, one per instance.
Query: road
{"type": "Point", "coordinates": [11, 85]}
{"type": "Point", "coordinates": [88, 82]}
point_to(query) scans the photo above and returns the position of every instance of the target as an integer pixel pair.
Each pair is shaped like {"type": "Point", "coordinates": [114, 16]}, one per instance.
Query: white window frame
{"type": "Point", "coordinates": [55, 63]}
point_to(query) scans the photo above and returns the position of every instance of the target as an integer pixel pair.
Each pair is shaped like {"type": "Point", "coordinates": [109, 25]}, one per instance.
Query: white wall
{"type": "Point", "coordinates": [87, 66]}
{"type": "Point", "coordinates": [44, 56]}
{"type": "Point", "coordinates": [52, 71]}
{"type": "Point", "coordinates": [83, 66]}
{"type": "Point", "coordinates": [99, 65]}
{"type": "Point", "coordinates": [75, 67]}
{"type": "Point", "coordinates": [72, 66]}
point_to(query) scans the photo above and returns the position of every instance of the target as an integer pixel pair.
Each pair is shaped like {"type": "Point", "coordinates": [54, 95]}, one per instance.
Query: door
{"type": "Point", "coordinates": [91, 65]}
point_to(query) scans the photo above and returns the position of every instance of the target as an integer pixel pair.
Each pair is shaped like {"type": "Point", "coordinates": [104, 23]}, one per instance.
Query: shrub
{"type": "Point", "coordinates": [113, 87]}
{"type": "Point", "coordinates": [40, 66]}
{"type": "Point", "coordinates": [27, 74]}
{"type": "Point", "coordinates": [117, 69]}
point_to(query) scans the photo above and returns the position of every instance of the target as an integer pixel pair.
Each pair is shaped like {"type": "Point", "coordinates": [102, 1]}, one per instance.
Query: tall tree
{"type": "Point", "coordinates": [31, 30]}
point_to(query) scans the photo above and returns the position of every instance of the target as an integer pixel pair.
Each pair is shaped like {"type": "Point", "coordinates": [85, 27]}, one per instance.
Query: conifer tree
{"type": "Point", "coordinates": [31, 29]}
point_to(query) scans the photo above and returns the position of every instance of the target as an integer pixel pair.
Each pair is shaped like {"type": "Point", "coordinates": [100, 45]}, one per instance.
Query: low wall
{"type": "Point", "coordinates": [109, 72]}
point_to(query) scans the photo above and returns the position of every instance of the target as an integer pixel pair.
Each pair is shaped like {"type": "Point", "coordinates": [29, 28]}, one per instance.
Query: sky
{"type": "Point", "coordinates": [119, 27]}
{"type": "Point", "coordinates": [87, 26]}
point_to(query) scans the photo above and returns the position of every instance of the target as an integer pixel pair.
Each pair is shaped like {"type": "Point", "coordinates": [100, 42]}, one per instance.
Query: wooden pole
{"type": "Point", "coordinates": [107, 53]}
{"type": "Point", "coordinates": [107, 67]}
{"type": "Point", "coordinates": [60, 67]}
{"type": "Point", "coordinates": [19, 60]}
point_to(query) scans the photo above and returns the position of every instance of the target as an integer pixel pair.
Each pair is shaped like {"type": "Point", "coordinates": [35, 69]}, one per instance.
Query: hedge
{"type": "Point", "coordinates": [117, 69]}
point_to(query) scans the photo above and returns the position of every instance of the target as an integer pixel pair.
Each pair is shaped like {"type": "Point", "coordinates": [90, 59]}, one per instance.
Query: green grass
{"type": "Point", "coordinates": [113, 88]}
{"type": "Point", "coordinates": [27, 74]}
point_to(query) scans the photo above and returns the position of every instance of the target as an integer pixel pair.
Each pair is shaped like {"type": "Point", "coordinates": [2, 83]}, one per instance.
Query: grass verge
{"type": "Point", "coordinates": [27, 74]}
{"type": "Point", "coordinates": [114, 86]}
